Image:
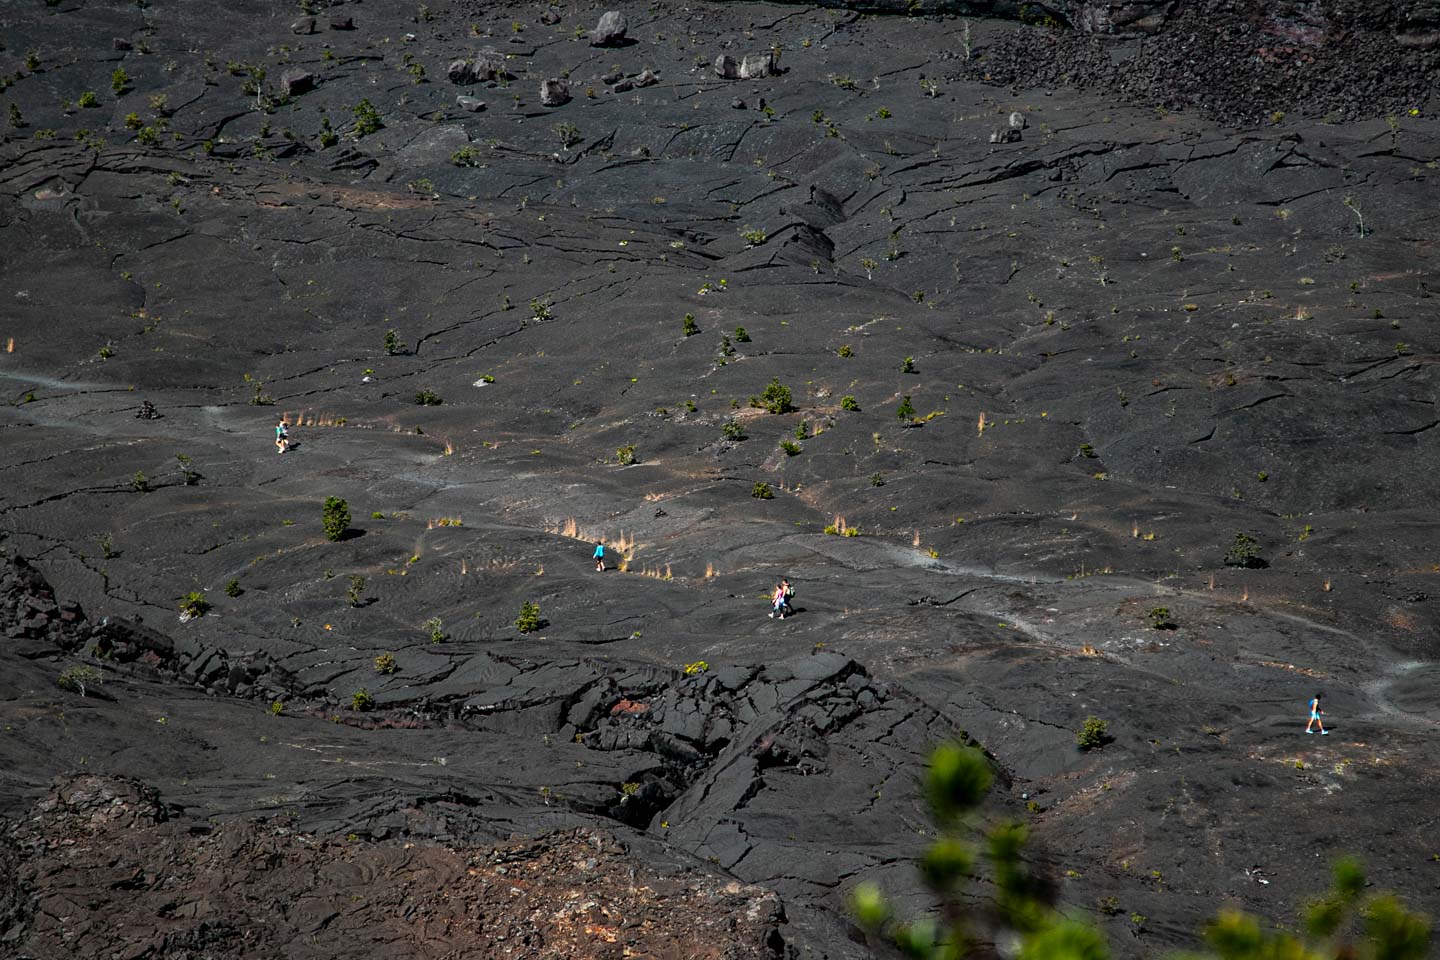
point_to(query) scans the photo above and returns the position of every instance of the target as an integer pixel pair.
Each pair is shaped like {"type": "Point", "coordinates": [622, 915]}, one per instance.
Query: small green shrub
{"type": "Point", "coordinates": [356, 594]}
{"type": "Point", "coordinates": [698, 667]}
{"type": "Point", "coordinates": [466, 157]}
{"type": "Point", "coordinates": [276, 708]}
{"type": "Point", "coordinates": [140, 483]}
{"type": "Point", "coordinates": [529, 619]}
{"type": "Point", "coordinates": [392, 342]}
{"type": "Point", "coordinates": [188, 473]}
{"type": "Point", "coordinates": [540, 309]}
{"type": "Point", "coordinates": [905, 411]}
{"type": "Point", "coordinates": [435, 630]}
{"type": "Point", "coordinates": [1092, 733]}
{"type": "Point", "coordinates": [88, 100]}
{"type": "Point", "coordinates": [428, 398]}
{"type": "Point", "coordinates": [232, 588]}
{"type": "Point", "coordinates": [790, 447]}
{"type": "Point", "coordinates": [741, 335]}
{"type": "Point", "coordinates": [877, 480]}
{"type": "Point", "coordinates": [335, 517]}
{"type": "Point", "coordinates": [775, 399]}
{"type": "Point", "coordinates": [1159, 618]}
{"type": "Point", "coordinates": [625, 456]}
{"type": "Point", "coordinates": [1088, 451]}
{"type": "Point", "coordinates": [731, 430]}
{"type": "Point", "coordinates": [194, 605]}
{"type": "Point", "coordinates": [752, 236]}
{"type": "Point", "coordinates": [385, 664]}
{"type": "Point", "coordinates": [119, 81]}
{"type": "Point", "coordinates": [907, 365]}
{"type": "Point", "coordinates": [361, 700]}
{"type": "Point", "coordinates": [78, 678]}
{"type": "Point", "coordinates": [690, 326]}
{"type": "Point", "coordinates": [1244, 552]}
{"type": "Point", "coordinates": [846, 351]}
{"type": "Point", "coordinates": [367, 119]}
{"type": "Point", "coordinates": [568, 133]}
{"type": "Point", "coordinates": [762, 491]}
{"type": "Point", "coordinates": [848, 402]}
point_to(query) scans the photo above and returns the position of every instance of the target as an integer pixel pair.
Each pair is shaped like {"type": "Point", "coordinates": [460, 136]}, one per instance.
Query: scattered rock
{"type": "Point", "coordinates": [303, 26]}
{"type": "Point", "coordinates": [147, 411]}
{"type": "Point", "coordinates": [120, 43]}
{"type": "Point", "coordinates": [737, 104]}
{"type": "Point", "coordinates": [489, 64]}
{"type": "Point", "coordinates": [341, 23]}
{"type": "Point", "coordinates": [461, 72]}
{"type": "Point", "coordinates": [646, 78]}
{"type": "Point", "coordinates": [757, 66]}
{"type": "Point", "coordinates": [614, 76]}
{"type": "Point", "coordinates": [1005, 135]}
{"type": "Point", "coordinates": [726, 68]}
{"type": "Point", "coordinates": [550, 17]}
{"type": "Point", "coordinates": [554, 92]}
{"type": "Point", "coordinates": [610, 31]}
{"type": "Point", "coordinates": [297, 81]}
{"type": "Point", "coordinates": [623, 85]}
{"type": "Point", "coordinates": [470, 104]}
{"type": "Point", "coordinates": [1017, 121]}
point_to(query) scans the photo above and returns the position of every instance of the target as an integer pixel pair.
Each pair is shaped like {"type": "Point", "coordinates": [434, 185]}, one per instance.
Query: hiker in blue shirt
{"type": "Point", "coordinates": [599, 556]}
{"type": "Point", "coordinates": [1315, 713]}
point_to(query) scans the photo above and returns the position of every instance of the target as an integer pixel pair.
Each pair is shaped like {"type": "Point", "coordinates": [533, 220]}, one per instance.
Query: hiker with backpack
{"type": "Point", "coordinates": [1315, 713]}
{"type": "Point", "coordinates": [780, 599]}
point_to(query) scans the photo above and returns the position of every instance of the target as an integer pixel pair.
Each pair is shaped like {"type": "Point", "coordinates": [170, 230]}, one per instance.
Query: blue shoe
{"type": "Point", "coordinates": [1324, 733]}
{"type": "Point", "coordinates": [1309, 731]}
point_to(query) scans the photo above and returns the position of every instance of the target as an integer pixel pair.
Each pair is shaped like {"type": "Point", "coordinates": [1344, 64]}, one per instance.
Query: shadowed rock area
{"type": "Point", "coordinates": [1095, 409]}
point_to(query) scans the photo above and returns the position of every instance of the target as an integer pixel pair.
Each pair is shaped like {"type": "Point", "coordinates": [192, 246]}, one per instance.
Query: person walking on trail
{"type": "Point", "coordinates": [777, 602]}
{"type": "Point", "coordinates": [599, 556]}
{"type": "Point", "coordinates": [789, 592]}
{"type": "Point", "coordinates": [1315, 713]}
{"type": "Point", "coordinates": [282, 436]}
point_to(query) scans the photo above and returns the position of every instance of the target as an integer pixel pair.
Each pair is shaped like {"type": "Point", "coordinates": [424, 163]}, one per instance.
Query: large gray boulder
{"type": "Point", "coordinates": [726, 68]}
{"type": "Point", "coordinates": [554, 92]}
{"type": "Point", "coordinates": [757, 66]}
{"type": "Point", "coordinates": [461, 72]}
{"type": "Point", "coordinates": [297, 81]}
{"type": "Point", "coordinates": [490, 65]}
{"type": "Point", "coordinates": [610, 31]}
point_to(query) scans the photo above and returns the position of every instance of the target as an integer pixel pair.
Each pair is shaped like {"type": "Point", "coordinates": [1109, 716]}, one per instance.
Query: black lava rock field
{"type": "Point", "coordinates": [1076, 364]}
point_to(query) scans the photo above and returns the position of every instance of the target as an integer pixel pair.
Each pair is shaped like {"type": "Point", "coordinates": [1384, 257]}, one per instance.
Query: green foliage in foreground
{"type": "Point", "coordinates": [956, 782]}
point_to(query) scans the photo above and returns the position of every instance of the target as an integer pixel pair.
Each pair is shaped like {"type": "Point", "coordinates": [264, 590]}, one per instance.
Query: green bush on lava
{"type": "Point", "coordinates": [335, 517]}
